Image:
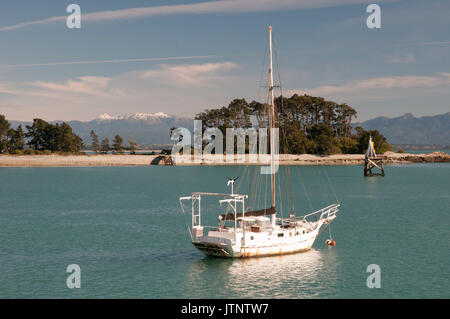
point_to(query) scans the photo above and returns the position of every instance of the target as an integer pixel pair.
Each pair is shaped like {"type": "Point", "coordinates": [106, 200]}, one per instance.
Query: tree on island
{"type": "Point", "coordinates": [4, 128]}
{"type": "Point", "coordinates": [117, 145]}
{"type": "Point", "coordinates": [104, 146]}
{"type": "Point", "coordinates": [95, 143]}
{"type": "Point", "coordinates": [307, 124]}
{"type": "Point", "coordinates": [16, 139]}
{"type": "Point", "coordinates": [133, 146]}
{"type": "Point", "coordinates": [379, 141]}
{"type": "Point", "coordinates": [53, 137]}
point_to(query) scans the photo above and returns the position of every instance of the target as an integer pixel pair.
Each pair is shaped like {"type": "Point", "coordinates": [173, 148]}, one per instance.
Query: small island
{"type": "Point", "coordinates": [313, 131]}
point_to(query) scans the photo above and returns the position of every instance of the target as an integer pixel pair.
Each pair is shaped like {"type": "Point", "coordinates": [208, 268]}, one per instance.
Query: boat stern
{"type": "Point", "coordinates": [215, 243]}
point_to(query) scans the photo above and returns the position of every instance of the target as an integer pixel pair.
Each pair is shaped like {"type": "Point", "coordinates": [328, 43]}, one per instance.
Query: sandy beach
{"type": "Point", "coordinates": [144, 160]}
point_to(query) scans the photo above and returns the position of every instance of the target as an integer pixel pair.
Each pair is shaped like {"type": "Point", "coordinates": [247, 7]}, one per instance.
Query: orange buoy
{"type": "Point", "coordinates": [330, 242]}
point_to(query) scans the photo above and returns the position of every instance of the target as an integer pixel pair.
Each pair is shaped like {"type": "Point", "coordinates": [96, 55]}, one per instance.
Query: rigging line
{"type": "Point", "coordinates": [279, 191]}
{"type": "Point", "coordinates": [187, 225]}
{"type": "Point", "coordinates": [322, 166]}
{"type": "Point", "coordinates": [332, 187]}
{"type": "Point", "coordinates": [319, 179]}
{"type": "Point", "coordinates": [290, 196]}
{"type": "Point", "coordinates": [315, 147]}
{"type": "Point", "coordinates": [305, 190]}
{"type": "Point", "coordinates": [263, 68]}
{"type": "Point", "coordinates": [258, 196]}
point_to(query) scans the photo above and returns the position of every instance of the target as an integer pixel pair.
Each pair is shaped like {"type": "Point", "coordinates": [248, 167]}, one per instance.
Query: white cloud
{"type": "Point", "coordinates": [4, 89]}
{"type": "Point", "coordinates": [393, 82]}
{"type": "Point", "coordinates": [220, 6]}
{"type": "Point", "coordinates": [189, 74]}
{"type": "Point", "coordinates": [91, 85]}
{"type": "Point", "coordinates": [182, 89]}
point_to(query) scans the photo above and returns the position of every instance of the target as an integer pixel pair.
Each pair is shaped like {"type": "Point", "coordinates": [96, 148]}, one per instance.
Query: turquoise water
{"type": "Point", "coordinates": [123, 227]}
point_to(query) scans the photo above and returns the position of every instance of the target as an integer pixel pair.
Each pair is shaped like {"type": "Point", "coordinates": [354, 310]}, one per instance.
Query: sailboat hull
{"type": "Point", "coordinates": [256, 244]}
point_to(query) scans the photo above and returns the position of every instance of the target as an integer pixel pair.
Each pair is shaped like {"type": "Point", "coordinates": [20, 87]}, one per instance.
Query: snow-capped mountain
{"type": "Point", "coordinates": [135, 116]}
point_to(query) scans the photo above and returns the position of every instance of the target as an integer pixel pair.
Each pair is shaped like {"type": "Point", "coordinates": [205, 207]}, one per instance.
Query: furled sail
{"type": "Point", "coordinates": [262, 212]}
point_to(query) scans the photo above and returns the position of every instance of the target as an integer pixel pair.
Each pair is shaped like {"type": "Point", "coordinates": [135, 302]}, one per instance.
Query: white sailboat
{"type": "Point", "coordinates": [254, 233]}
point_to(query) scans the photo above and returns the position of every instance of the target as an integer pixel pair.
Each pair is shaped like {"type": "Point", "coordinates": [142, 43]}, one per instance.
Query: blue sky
{"type": "Point", "coordinates": [323, 48]}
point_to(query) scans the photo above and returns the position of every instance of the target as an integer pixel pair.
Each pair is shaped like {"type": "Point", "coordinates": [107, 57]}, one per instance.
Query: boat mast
{"type": "Point", "coordinates": [272, 124]}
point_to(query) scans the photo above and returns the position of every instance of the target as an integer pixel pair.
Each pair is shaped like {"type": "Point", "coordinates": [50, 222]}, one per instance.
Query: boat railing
{"type": "Point", "coordinates": [324, 213]}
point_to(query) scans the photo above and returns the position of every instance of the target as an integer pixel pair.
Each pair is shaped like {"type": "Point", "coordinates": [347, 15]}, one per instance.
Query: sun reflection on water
{"type": "Point", "coordinates": [310, 274]}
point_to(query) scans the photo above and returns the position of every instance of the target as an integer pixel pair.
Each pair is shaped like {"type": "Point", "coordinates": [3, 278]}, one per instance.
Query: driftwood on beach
{"type": "Point", "coordinates": [144, 160]}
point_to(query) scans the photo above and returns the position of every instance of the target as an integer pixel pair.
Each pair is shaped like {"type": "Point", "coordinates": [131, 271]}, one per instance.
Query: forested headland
{"type": "Point", "coordinates": [43, 138]}
{"type": "Point", "coordinates": [39, 138]}
{"type": "Point", "coordinates": [307, 124]}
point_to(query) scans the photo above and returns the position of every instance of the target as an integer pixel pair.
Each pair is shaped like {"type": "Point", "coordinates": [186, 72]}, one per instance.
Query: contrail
{"type": "Point", "coordinates": [4, 66]}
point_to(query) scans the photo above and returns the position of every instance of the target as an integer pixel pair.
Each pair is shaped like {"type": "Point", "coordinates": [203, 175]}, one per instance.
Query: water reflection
{"type": "Point", "coordinates": [310, 274]}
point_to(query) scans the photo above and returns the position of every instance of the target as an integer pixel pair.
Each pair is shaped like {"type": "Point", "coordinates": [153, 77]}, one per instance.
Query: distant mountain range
{"type": "Point", "coordinates": [154, 128]}
{"type": "Point", "coordinates": [407, 129]}
{"type": "Point", "coordinates": [144, 128]}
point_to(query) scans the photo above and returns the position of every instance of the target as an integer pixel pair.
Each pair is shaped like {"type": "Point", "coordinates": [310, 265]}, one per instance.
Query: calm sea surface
{"type": "Point", "coordinates": [124, 228]}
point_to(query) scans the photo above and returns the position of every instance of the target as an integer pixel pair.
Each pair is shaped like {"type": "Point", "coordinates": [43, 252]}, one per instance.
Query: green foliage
{"type": "Point", "coordinates": [348, 145]}
{"type": "Point", "coordinates": [307, 124]}
{"type": "Point", "coordinates": [380, 143]}
{"type": "Point", "coordinates": [324, 139]}
{"type": "Point", "coordinates": [29, 152]}
{"type": "Point", "coordinates": [104, 146]}
{"type": "Point", "coordinates": [95, 143]}
{"type": "Point", "coordinates": [117, 145]}
{"type": "Point", "coordinates": [133, 146]}
{"type": "Point", "coordinates": [4, 129]}
{"type": "Point", "coordinates": [293, 139]}
{"type": "Point", "coordinates": [43, 137]}
{"type": "Point", "coordinates": [53, 137]}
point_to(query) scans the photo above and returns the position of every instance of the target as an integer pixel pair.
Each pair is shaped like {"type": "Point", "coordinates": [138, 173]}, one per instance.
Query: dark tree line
{"type": "Point", "coordinates": [307, 124]}
{"type": "Point", "coordinates": [117, 147]}
{"type": "Point", "coordinates": [44, 137]}
{"type": "Point", "coordinates": [40, 136]}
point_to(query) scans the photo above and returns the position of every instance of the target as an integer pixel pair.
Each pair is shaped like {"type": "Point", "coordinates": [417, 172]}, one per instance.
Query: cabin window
{"type": "Point", "coordinates": [304, 231]}
{"type": "Point", "coordinates": [251, 238]}
{"type": "Point", "coordinates": [280, 235]}
{"type": "Point", "coordinates": [296, 233]}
